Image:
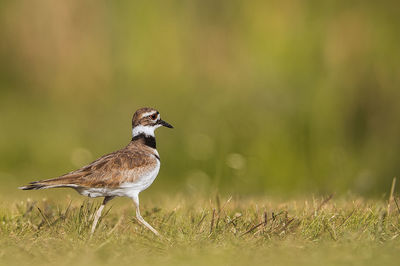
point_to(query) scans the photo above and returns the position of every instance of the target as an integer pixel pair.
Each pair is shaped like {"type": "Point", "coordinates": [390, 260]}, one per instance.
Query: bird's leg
{"type": "Point", "coordinates": [135, 199]}
{"type": "Point", "coordinates": [98, 213]}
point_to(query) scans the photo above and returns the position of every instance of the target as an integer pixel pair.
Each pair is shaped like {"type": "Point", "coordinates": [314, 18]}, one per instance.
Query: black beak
{"type": "Point", "coordinates": [165, 124]}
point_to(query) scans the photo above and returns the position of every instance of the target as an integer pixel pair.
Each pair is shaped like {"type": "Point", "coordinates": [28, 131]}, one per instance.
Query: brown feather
{"type": "Point", "coordinates": [109, 171]}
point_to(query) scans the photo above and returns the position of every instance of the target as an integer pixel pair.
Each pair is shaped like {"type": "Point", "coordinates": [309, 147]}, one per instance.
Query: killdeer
{"type": "Point", "coordinates": [123, 173]}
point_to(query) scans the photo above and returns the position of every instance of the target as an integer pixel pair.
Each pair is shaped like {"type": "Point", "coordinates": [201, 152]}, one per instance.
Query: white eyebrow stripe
{"type": "Point", "coordinates": [149, 113]}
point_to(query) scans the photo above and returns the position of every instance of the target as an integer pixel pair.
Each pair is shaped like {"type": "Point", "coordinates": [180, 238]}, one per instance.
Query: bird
{"type": "Point", "coordinates": [123, 173]}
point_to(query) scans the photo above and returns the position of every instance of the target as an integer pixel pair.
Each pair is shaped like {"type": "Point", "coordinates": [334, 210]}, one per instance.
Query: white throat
{"type": "Point", "coordinates": [147, 130]}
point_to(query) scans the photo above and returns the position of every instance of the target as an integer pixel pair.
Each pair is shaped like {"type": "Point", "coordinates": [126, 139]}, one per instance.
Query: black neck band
{"type": "Point", "coordinates": [147, 140]}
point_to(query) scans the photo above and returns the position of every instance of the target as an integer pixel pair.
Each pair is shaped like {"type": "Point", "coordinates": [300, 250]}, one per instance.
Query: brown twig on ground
{"type": "Point", "coordinates": [254, 227]}
{"type": "Point", "coordinates": [263, 223]}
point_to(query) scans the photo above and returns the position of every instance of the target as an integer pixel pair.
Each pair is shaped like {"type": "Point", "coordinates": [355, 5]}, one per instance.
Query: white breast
{"type": "Point", "coordinates": [143, 182]}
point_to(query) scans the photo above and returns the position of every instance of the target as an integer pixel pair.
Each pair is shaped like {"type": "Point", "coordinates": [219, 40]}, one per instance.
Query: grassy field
{"type": "Point", "coordinates": [288, 99]}
{"type": "Point", "coordinates": [329, 230]}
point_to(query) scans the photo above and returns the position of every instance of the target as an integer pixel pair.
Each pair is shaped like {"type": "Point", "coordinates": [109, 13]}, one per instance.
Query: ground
{"type": "Point", "coordinates": [215, 230]}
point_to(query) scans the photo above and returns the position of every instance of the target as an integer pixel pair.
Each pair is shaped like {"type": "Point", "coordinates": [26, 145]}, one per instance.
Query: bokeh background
{"type": "Point", "coordinates": [267, 97]}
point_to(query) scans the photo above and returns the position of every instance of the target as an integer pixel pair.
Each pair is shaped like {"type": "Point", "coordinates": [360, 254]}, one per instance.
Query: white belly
{"type": "Point", "coordinates": [126, 189]}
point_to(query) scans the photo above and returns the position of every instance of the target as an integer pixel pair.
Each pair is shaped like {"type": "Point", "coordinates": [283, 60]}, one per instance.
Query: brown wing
{"type": "Point", "coordinates": [109, 171]}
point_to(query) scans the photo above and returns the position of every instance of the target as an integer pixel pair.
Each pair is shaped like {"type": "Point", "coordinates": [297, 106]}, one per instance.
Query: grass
{"type": "Point", "coordinates": [198, 231]}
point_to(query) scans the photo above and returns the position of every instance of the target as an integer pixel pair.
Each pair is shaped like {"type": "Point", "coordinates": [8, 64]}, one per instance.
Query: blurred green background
{"type": "Point", "coordinates": [267, 97]}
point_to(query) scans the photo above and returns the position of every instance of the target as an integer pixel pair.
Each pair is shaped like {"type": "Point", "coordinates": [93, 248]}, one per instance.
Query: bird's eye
{"type": "Point", "coordinates": [153, 116]}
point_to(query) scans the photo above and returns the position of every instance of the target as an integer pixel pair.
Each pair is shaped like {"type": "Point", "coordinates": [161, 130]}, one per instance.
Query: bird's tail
{"type": "Point", "coordinates": [35, 185]}
{"type": "Point", "coordinates": [49, 183]}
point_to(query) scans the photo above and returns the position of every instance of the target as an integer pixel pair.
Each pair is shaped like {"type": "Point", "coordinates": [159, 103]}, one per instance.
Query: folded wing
{"type": "Point", "coordinates": [109, 171]}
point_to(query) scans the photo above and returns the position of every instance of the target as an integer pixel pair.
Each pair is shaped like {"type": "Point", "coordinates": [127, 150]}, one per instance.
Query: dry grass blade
{"type": "Point", "coordinates": [29, 208]}
{"type": "Point", "coordinates": [234, 219]}
{"type": "Point", "coordinates": [221, 209]}
{"type": "Point", "coordinates": [347, 218]}
{"type": "Point", "coordinates": [44, 218]}
{"type": "Point", "coordinates": [397, 205]}
{"type": "Point", "coordinates": [218, 203]}
{"type": "Point", "coordinates": [212, 221]}
{"type": "Point", "coordinates": [325, 201]}
{"type": "Point", "coordinates": [287, 224]}
{"type": "Point", "coordinates": [115, 226]}
{"type": "Point", "coordinates": [68, 208]}
{"type": "Point", "coordinates": [265, 218]}
{"type": "Point", "coordinates": [201, 220]}
{"type": "Point", "coordinates": [391, 195]}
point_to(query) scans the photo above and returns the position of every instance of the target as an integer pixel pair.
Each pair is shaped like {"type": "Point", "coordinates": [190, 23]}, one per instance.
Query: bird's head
{"type": "Point", "coordinates": [146, 120]}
